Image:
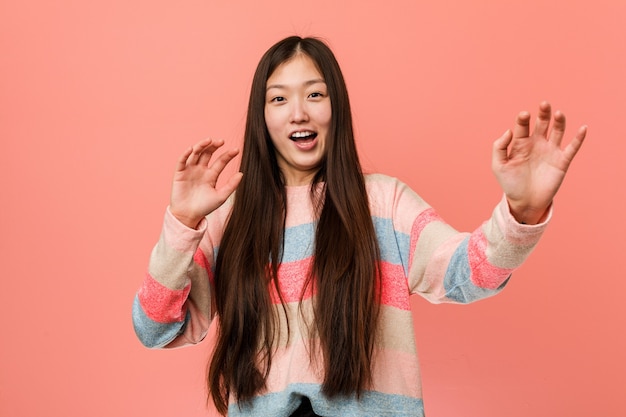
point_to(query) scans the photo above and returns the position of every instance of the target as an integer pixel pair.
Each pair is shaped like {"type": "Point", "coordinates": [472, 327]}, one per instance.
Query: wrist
{"type": "Point", "coordinates": [190, 222]}
{"type": "Point", "coordinates": [528, 215]}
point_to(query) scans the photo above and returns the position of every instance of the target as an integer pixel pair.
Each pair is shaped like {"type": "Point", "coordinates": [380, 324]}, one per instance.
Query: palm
{"type": "Point", "coordinates": [531, 167]}
{"type": "Point", "coordinates": [194, 187]}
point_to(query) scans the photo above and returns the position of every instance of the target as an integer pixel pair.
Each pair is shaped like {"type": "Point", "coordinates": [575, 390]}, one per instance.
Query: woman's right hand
{"type": "Point", "coordinates": [194, 188]}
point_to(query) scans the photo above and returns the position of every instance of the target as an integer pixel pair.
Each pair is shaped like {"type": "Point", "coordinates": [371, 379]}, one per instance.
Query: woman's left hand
{"type": "Point", "coordinates": [531, 167]}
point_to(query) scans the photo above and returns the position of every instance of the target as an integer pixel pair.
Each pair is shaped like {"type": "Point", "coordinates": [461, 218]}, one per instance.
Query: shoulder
{"type": "Point", "coordinates": [384, 185]}
{"type": "Point", "coordinates": [381, 181]}
{"type": "Point", "coordinates": [389, 196]}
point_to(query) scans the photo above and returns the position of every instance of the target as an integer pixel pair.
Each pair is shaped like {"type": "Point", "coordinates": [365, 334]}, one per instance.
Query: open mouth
{"type": "Point", "coordinates": [305, 136]}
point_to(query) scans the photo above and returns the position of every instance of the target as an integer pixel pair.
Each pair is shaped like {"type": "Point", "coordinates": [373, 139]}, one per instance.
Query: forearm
{"type": "Point", "coordinates": [174, 297]}
{"type": "Point", "coordinates": [467, 267]}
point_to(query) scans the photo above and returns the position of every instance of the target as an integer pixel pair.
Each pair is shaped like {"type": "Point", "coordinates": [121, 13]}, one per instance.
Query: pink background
{"type": "Point", "coordinates": [98, 99]}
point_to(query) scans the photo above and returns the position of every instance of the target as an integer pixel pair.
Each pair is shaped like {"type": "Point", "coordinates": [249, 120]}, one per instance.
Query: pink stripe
{"type": "Point", "coordinates": [178, 236]}
{"type": "Point", "coordinates": [395, 286]}
{"type": "Point", "coordinates": [291, 279]}
{"type": "Point", "coordinates": [200, 259]}
{"type": "Point", "coordinates": [423, 219]}
{"type": "Point", "coordinates": [162, 304]}
{"type": "Point", "coordinates": [395, 372]}
{"type": "Point", "coordinates": [484, 274]}
{"type": "Point", "coordinates": [293, 364]}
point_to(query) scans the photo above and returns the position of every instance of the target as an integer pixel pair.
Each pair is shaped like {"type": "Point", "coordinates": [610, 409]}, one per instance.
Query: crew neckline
{"type": "Point", "coordinates": [300, 189]}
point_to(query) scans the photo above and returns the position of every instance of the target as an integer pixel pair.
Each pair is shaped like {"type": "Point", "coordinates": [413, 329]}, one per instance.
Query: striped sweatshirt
{"type": "Point", "coordinates": [420, 254]}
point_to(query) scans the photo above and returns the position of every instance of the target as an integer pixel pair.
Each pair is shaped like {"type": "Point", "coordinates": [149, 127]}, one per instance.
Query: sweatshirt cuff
{"type": "Point", "coordinates": [179, 236]}
{"type": "Point", "coordinates": [522, 233]}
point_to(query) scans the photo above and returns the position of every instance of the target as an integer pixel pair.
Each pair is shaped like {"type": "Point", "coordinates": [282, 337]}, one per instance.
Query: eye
{"type": "Point", "coordinates": [316, 94]}
{"type": "Point", "coordinates": [277, 99]}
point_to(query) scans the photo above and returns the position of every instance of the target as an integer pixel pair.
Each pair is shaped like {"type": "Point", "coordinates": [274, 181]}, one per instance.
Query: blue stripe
{"type": "Point", "coordinates": [371, 404]}
{"type": "Point", "coordinates": [299, 242]}
{"type": "Point", "coordinates": [394, 245]}
{"type": "Point", "coordinates": [151, 333]}
{"type": "Point", "coordinates": [459, 287]}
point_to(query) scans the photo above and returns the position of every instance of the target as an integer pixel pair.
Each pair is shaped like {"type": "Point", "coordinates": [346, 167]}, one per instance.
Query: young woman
{"type": "Point", "coordinates": [309, 266]}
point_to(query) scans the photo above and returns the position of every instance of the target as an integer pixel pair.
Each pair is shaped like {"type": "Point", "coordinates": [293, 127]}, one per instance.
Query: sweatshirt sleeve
{"type": "Point", "coordinates": [445, 265]}
{"type": "Point", "coordinates": [173, 305]}
{"type": "Point", "coordinates": [449, 266]}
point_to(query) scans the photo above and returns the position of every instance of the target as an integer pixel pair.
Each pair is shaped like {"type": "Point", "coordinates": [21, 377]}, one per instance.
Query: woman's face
{"type": "Point", "coordinates": [298, 115]}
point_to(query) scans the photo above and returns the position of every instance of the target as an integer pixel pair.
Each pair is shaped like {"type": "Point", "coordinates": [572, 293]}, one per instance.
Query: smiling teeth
{"type": "Point", "coordinates": [301, 134]}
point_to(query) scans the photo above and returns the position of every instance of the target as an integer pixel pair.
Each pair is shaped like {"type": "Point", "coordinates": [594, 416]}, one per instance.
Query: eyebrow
{"type": "Point", "coordinates": [305, 84]}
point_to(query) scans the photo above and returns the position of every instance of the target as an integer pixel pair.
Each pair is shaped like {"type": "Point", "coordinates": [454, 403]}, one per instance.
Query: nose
{"type": "Point", "coordinates": [299, 112]}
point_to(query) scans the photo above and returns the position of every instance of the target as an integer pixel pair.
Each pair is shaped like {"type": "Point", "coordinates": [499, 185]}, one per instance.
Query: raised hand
{"type": "Point", "coordinates": [531, 167]}
{"type": "Point", "coordinates": [194, 187]}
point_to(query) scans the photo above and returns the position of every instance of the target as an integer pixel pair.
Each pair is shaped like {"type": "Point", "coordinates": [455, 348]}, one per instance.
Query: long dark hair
{"type": "Point", "coordinates": [345, 272]}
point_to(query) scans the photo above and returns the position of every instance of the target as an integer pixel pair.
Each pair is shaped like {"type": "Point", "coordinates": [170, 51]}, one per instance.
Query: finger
{"type": "Point", "coordinates": [231, 185]}
{"type": "Point", "coordinates": [205, 155]}
{"type": "Point", "coordinates": [196, 151]}
{"type": "Point", "coordinates": [218, 166]}
{"type": "Point", "coordinates": [182, 161]}
{"type": "Point", "coordinates": [522, 125]}
{"type": "Point", "coordinates": [558, 130]}
{"type": "Point", "coordinates": [500, 148]}
{"type": "Point", "coordinates": [543, 119]}
{"type": "Point", "coordinates": [574, 146]}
